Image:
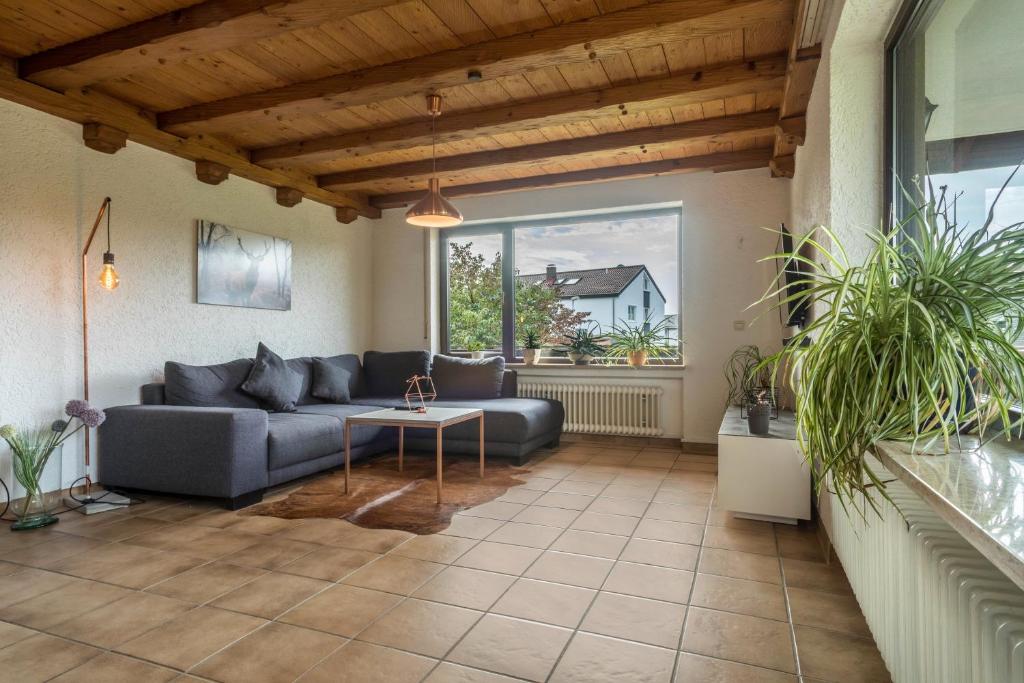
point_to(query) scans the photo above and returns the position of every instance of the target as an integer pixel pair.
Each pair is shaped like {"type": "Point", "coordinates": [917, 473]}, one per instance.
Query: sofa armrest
{"type": "Point", "coordinates": [220, 452]}
{"type": "Point", "coordinates": [510, 384]}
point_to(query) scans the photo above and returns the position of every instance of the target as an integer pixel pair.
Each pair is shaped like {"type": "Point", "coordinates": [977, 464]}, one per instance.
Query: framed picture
{"type": "Point", "coordinates": [241, 268]}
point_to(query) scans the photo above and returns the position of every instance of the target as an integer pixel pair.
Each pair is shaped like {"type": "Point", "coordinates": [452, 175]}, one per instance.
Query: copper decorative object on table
{"type": "Point", "coordinates": [415, 392]}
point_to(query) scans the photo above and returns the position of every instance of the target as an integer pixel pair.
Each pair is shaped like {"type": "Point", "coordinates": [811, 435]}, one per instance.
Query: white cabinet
{"type": "Point", "coordinates": [762, 477]}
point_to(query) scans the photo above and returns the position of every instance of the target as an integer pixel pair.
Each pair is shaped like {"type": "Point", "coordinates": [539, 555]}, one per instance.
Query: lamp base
{"type": "Point", "coordinates": [98, 501]}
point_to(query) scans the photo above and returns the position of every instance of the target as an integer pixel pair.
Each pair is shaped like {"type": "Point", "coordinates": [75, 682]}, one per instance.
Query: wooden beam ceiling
{"type": "Point", "coordinates": [801, 68]}
{"type": "Point", "coordinates": [751, 77]}
{"type": "Point", "coordinates": [724, 161]}
{"type": "Point", "coordinates": [574, 42]}
{"type": "Point", "coordinates": [703, 131]}
{"type": "Point", "coordinates": [173, 37]}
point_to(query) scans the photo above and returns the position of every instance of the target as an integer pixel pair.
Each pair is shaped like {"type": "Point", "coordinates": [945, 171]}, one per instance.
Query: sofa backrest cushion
{"type": "Point", "coordinates": [467, 378]}
{"type": "Point", "coordinates": [211, 386]}
{"type": "Point", "coordinates": [276, 385]}
{"type": "Point", "coordinates": [385, 373]}
{"type": "Point", "coordinates": [331, 382]}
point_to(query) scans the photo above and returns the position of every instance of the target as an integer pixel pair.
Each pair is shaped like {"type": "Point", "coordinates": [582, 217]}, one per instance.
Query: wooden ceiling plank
{"type": "Point", "coordinates": [209, 26]}
{"type": "Point", "coordinates": [709, 130]}
{"type": "Point", "coordinates": [576, 42]}
{"type": "Point", "coordinates": [680, 90]}
{"type": "Point", "coordinates": [754, 158]}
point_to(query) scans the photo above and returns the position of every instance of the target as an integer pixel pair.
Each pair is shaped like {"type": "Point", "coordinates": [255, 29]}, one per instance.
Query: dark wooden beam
{"type": "Point", "coordinates": [211, 173]}
{"type": "Point", "coordinates": [783, 166]}
{"type": "Point", "coordinates": [205, 27]}
{"type": "Point", "coordinates": [725, 161]}
{"type": "Point", "coordinates": [796, 94]}
{"type": "Point", "coordinates": [707, 130]}
{"type": "Point", "coordinates": [346, 215]}
{"type": "Point", "coordinates": [103, 138]}
{"type": "Point", "coordinates": [792, 129]}
{"type": "Point", "coordinates": [587, 40]}
{"type": "Point", "coordinates": [711, 83]}
{"type": "Point", "coordinates": [288, 196]}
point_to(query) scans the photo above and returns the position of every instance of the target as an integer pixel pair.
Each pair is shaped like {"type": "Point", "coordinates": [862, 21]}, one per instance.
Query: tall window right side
{"type": "Point", "coordinates": [958, 107]}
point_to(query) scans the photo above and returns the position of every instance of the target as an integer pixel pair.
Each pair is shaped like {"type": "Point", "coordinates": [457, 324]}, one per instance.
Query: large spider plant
{"type": "Point", "coordinates": [915, 345]}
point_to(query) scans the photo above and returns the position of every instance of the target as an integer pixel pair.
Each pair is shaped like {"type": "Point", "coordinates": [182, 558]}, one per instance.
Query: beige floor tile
{"type": "Point", "coordinates": [720, 517]}
{"type": "Point", "coordinates": [118, 622]}
{"type": "Point", "coordinates": [725, 538]}
{"type": "Point", "coordinates": [435, 548]}
{"type": "Point", "coordinates": [330, 564]}
{"type": "Point", "coordinates": [828, 578]}
{"type": "Point", "coordinates": [359, 662]}
{"type": "Point", "coordinates": [647, 621]}
{"type": "Point", "coordinates": [540, 483]}
{"type": "Point", "coordinates": [464, 587]}
{"type": "Point", "coordinates": [42, 657]}
{"type": "Point", "coordinates": [674, 512]}
{"type": "Point", "coordinates": [575, 570]}
{"type": "Point", "coordinates": [802, 545]}
{"type": "Point", "coordinates": [598, 474]}
{"type": "Point", "coordinates": [652, 459]}
{"type": "Point", "coordinates": [113, 668]}
{"type": "Point", "coordinates": [426, 628]}
{"type": "Point", "coordinates": [499, 557]}
{"type": "Point", "coordinates": [590, 543]}
{"type": "Point", "coordinates": [618, 506]}
{"type": "Point", "coordinates": [185, 641]}
{"type": "Point", "coordinates": [258, 524]}
{"type": "Point", "coordinates": [661, 553]}
{"type": "Point", "coordinates": [8, 568]}
{"type": "Point", "coordinates": [394, 574]}
{"type": "Point", "coordinates": [629, 492]}
{"type": "Point", "coordinates": [53, 551]}
{"type": "Point", "coordinates": [276, 652]}
{"type": "Point", "coordinates": [12, 633]}
{"type": "Point", "coordinates": [270, 595]}
{"type": "Point", "coordinates": [495, 509]}
{"type": "Point", "coordinates": [557, 517]}
{"type": "Point", "coordinates": [828, 611]}
{"type": "Point", "coordinates": [621, 525]}
{"type": "Point", "coordinates": [28, 583]}
{"type": "Point", "coordinates": [739, 595]}
{"type": "Point", "coordinates": [566, 501]}
{"type": "Point", "coordinates": [472, 527]}
{"type": "Point", "coordinates": [675, 532]}
{"type": "Point", "coordinates": [128, 565]}
{"type": "Point", "coordinates": [49, 609]}
{"type": "Point", "coordinates": [12, 542]}
{"type": "Point", "coordinates": [178, 512]}
{"type": "Point", "coordinates": [521, 495]}
{"type": "Point", "coordinates": [120, 530]}
{"type": "Point", "coordinates": [740, 565]}
{"type": "Point", "coordinates": [447, 672]}
{"type": "Point", "coordinates": [691, 668]}
{"type": "Point", "coordinates": [206, 582]}
{"type": "Point", "coordinates": [530, 535]}
{"type": "Point", "coordinates": [833, 656]}
{"type": "Point", "coordinates": [586, 488]}
{"type": "Point", "coordinates": [201, 542]}
{"type": "Point", "coordinates": [648, 581]}
{"type": "Point", "coordinates": [739, 638]}
{"type": "Point", "coordinates": [343, 534]}
{"type": "Point", "coordinates": [271, 553]}
{"type": "Point", "coordinates": [342, 610]}
{"type": "Point", "coordinates": [599, 659]}
{"type": "Point", "coordinates": [511, 646]}
{"type": "Point", "coordinates": [551, 603]}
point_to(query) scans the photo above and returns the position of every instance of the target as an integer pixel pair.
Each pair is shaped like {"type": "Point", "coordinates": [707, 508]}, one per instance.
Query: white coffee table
{"type": "Point", "coordinates": [435, 418]}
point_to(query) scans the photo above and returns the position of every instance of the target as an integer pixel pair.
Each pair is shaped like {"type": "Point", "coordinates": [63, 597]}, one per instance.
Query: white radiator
{"type": "Point", "coordinates": [940, 612]}
{"type": "Point", "coordinates": [627, 410]}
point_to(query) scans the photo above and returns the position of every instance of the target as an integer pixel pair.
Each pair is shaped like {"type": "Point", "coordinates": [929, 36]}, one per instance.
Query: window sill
{"type": "Point", "coordinates": [598, 370]}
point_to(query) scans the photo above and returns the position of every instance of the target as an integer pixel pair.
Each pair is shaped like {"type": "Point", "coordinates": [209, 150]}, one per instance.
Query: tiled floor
{"type": "Point", "coordinates": [610, 564]}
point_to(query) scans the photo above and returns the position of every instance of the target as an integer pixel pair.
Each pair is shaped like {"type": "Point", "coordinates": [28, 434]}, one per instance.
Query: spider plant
{"type": "Point", "coordinates": [914, 345]}
{"type": "Point", "coordinates": [582, 344]}
{"type": "Point", "coordinates": [637, 342]}
{"type": "Point", "coordinates": [745, 374]}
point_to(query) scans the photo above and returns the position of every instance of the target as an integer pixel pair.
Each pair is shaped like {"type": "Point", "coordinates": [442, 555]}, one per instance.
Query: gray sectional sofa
{"type": "Point", "coordinates": [200, 434]}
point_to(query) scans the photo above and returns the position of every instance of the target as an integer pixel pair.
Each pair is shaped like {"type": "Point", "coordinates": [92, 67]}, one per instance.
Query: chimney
{"type": "Point", "coordinates": [551, 275]}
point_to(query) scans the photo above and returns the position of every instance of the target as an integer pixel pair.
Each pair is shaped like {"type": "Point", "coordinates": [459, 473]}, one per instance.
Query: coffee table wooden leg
{"type": "Point", "coordinates": [348, 453]}
{"type": "Point", "coordinates": [481, 446]}
{"type": "Point", "coordinates": [401, 447]}
{"type": "Point", "coordinates": [440, 453]}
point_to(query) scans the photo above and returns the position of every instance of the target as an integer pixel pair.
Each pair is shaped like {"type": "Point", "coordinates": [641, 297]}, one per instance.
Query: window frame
{"type": "Point", "coordinates": [506, 229]}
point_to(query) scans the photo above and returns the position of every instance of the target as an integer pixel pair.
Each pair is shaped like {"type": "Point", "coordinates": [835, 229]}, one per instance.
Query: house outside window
{"type": "Point", "coordinates": [631, 312]}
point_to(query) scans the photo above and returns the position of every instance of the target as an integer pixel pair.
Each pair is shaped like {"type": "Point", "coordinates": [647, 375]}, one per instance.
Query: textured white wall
{"type": "Point", "coordinates": [722, 240]}
{"type": "Point", "coordinates": [52, 187]}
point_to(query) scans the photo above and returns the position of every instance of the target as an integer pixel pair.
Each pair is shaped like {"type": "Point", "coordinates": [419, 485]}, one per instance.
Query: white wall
{"type": "Point", "coordinates": [722, 239]}
{"type": "Point", "coordinates": [52, 186]}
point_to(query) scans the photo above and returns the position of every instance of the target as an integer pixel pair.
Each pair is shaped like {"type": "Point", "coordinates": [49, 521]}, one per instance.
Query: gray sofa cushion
{"type": "Point", "coordinates": [350, 362]}
{"type": "Point", "coordinates": [212, 386]}
{"type": "Point", "coordinates": [331, 382]}
{"type": "Point", "coordinates": [361, 434]}
{"type": "Point", "coordinates": [462, 378]}
{"type": "Point", "coordinates": [273, 382]}
{"type": "Point", "coordinates": [296, 437]}
{"type": "Point", "coordinates": [385, 373]}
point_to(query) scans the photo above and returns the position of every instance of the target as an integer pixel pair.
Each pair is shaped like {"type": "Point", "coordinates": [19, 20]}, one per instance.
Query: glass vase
{"type": "Point", "coordinates": [34, 509]}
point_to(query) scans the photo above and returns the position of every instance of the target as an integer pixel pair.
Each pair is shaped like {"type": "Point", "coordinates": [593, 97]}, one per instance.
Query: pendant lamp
{"type": "Point", "coordinates": [433, 211]}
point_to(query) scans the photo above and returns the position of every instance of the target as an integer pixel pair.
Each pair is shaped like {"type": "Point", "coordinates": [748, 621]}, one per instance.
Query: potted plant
{"type": "Point", "coordinates": [582, 344]}
{"type": "Point", "coordinates": [32, 450]}
{"type": "Point", "coordinates": [640, 342]}
{"type": "Point", "coordinates": [746, 375]}
{"type": "Point", "coordinates": [759, 413]}
{"type": "Point", "coordinates": [531, 347]}
{"type": "Point", "coordinates": [476, 348]}
{"type": "Point", "coordinates": [915, 344]}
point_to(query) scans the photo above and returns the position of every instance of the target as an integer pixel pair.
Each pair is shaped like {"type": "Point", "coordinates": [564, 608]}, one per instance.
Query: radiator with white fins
{"type": "Point", "coordinates": [939, 611]}
{"type": "Point", "coordinates": [626, 410]}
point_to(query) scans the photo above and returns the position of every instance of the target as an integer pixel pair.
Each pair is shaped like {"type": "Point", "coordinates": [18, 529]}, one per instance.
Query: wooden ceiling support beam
{"type": "Point", "coordinates": [173, 37]}
{"type": "Point", "coordinates": [801, 68]}
{"type": "Point", "coordinates": [587, 40]}
{"type": "Point", "coordinates": [711, 83]}
{"type": "Point", "coordinates": [724, 161]}
{"type": "Point", "coordinates": [288, 196]}
{"type": "Point", "coordinates": [706, 130]}
{"type": "Point", "coordinates": [211, 173]}
{"type": "Point", "coordinates": [346, 215]}
{"type": "Point", "coordinates": [783, 166]}
{"type": "Point", "coordinates": [87, 106]}
{"type": "Point", "coordinates": [103, 138]}
{"type": "Point", "coordinates": [793, 129]}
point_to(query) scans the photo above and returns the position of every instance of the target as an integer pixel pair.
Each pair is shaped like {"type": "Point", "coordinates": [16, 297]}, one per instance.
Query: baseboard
{"type": "Point", "coordinates": [699, 448]}
{"type": "Point", "coordinates": [664, 442]}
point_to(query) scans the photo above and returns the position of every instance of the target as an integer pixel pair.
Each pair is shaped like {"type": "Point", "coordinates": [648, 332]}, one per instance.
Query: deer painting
{"type": "Point", "coordinates": [241, 268]}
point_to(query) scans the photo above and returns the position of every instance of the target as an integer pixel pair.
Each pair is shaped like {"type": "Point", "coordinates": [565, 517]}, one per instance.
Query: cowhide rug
{"type": "Point", "coordinates": [381, 497]}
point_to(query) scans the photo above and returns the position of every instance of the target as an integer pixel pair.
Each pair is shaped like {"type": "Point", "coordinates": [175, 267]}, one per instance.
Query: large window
{"type": "Point", "coordinates": [957, 94]}
{"type": "Point", "coordinates": [553, 276]}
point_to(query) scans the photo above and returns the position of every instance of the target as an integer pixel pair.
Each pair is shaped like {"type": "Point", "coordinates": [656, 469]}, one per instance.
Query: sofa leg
{"type": "Point", "coordinates": [244, 500]}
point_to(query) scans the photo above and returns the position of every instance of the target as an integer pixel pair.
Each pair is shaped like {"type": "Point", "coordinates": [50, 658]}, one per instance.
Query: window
{"type": "Point", "coordinates": [957, 104]}
{"type": "Point", "coordinates": [551, 276]}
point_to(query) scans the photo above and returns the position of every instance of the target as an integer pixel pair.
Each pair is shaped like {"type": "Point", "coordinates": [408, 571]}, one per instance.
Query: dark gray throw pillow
{"type": "Point", "coordinates": [467, 378]}
{"type": "Point", "coordinates": [271, 380]}
{"type": "Point", "coordinates": [331, 381]}
{"type": "Point", "coordinates": [385, 373]}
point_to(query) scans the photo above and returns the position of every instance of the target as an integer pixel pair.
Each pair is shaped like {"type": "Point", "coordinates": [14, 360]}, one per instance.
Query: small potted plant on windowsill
{"type": "Point", "coordinates": [638, 343]}
{"type": "Point", "coordinates": [476, 348]}
{"type": "Point", "coordinates": [531, 347]}
{"type": "Point", "coordinates": [582, 345]}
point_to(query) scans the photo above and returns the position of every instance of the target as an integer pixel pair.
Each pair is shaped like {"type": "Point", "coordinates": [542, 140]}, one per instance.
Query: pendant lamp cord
{"type": "Point", "coordinates": [109, 205]}
{"type": "Point", "coordinates": [433, 144]}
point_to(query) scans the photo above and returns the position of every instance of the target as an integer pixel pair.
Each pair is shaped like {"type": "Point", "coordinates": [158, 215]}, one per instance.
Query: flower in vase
{"type": "Point", "coordinates": [59, 425]}
{"type": "Point", "coordinates": [92, 417]}
{"type": "Point", "coordinates": [76, 407]}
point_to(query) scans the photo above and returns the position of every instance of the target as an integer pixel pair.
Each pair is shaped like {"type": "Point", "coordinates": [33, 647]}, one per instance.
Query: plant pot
{"type": "Point", "coordinates": [530, 356]}
{"type": "Point", "coordinates": [33, 512]}
{"type": "Point", "coordinates": [580, 358]}
{"type": "Point", "coordinates": [759, 418]}
{"type": "Point", "coordinates": [477, 355]}
{"type": "Point", "coordinates": [636, 359]}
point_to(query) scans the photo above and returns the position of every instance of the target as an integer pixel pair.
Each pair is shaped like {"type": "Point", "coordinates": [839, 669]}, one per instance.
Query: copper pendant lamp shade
{"type": "Point", "coordinates": [433, 211]}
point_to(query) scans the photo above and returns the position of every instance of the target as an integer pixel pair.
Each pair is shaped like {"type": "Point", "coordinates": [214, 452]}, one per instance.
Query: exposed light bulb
{"type": "Point", "coordinates": [109, 279]}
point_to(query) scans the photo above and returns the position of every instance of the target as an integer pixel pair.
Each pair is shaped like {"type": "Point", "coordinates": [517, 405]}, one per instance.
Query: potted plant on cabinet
{"type": "Point", "coordinates": [747, 375]}
{"type": "Point", "coordinates": [531, 347]}
{"type": "Point", "coordinates": [759, 413]}
{"type": "Point", "coordinates": [638, 343]}
{"type": "Point", "coordinates": [582, 344]}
